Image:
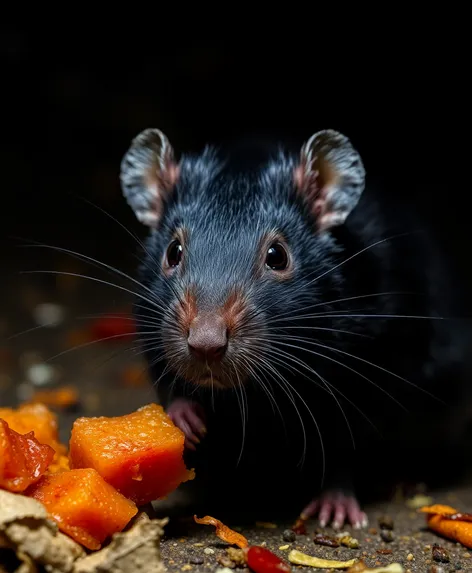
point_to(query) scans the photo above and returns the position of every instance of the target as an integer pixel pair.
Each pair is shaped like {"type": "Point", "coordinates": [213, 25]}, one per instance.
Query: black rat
{"type": "Point", "coordinates": [287, 311]}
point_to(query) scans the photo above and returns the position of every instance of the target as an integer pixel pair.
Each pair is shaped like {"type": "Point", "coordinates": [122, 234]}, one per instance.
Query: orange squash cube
{"type": "Point", "coordinates": [59, 464]}
{"type": "Point", "coordinates": [83, 505]}
{"type": "Point", "coordinates": [35, 418]}
{"type": "Point", "coordinates": [140, 454]}
{"type": "Point", "coordinates": [23, 460]}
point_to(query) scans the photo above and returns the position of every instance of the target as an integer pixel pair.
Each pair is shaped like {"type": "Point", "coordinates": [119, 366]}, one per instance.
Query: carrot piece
{"type": "Point", "coordinates": [140, 454]}
{"type": "Point", "coordinates": [223, 531]}
{"type": "Point", "coordinates": [445, 521]}
{"type": "Point", "coordinates": [83, 505]}
{"type": "Point", "coordinates": [23, 460]}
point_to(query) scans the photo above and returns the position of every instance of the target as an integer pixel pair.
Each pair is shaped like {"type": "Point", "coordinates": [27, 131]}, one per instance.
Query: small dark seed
{"type": "Point", "coordinates": [384, 551]}
{"type": "Point", "coordinates": [196, 560]}
{"type": "Point", "coordinates": [289, 536]}
{"type": "Point", "coordinates": [321, 539]}
{"type": "Point", "coordinates": [387, 535]}
{"type": "Point", "coordinates": [440, 554]}
{"type": "Point", "coordinates": [386, 522]}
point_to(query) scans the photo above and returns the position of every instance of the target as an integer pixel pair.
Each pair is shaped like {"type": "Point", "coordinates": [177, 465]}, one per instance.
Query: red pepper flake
{"type": "Point", "coordinates": [261, 560]}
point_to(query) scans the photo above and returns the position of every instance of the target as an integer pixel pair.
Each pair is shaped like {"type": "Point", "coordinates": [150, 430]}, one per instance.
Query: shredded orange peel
{"type": "Point", "coordinates": [224, 532]}
{"type": "Point", "coordinates": [449, 523]}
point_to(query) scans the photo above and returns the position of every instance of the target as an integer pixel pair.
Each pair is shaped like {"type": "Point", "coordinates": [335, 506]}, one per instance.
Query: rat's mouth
{"type": "Point", "coordinates": [213, 381]}
{"type": "Point", "coordinates": [215, 376]}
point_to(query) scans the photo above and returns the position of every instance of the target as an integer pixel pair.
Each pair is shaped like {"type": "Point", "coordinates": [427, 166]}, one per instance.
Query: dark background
{"type": "Point", "coordinates": [75, 97]}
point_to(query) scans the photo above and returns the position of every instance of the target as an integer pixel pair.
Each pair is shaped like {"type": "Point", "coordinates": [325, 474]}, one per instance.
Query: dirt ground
{"type": "Point", "coordinates": [111, 379]}
{"type": "Point", "coordinates": [195, 548]}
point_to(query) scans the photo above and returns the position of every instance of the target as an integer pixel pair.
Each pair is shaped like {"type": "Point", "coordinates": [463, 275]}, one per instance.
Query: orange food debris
{"type": "Point", "coordinates": [60, 398]}
{"type": "Point", "coordinates": [445, 521]}
{"type": "Point", "coordinates": [60, 463]}
{"type": "Point", "coordinates": [39, 419]}
{"type": "Point", "coordinates": [134, 377]}
{"type": "Point", "coordinates": [223, 531]}
{"type": "Point", "coordinates": [83, 505]}
{"type": "Point", "coordinates": [23, 460]}
{"type": "Point", "coordinates": [78, 337]}
{"type": "Point", "coordinates": [140, 454]}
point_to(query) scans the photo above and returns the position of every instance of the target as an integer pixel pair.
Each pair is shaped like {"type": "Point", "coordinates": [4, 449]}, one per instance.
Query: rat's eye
{"type": "Point", "coordinates": [174, 253]}
{"type": "Point", "coordinates": [277, 258]}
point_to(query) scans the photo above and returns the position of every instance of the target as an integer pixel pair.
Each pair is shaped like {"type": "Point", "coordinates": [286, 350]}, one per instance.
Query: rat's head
{"type": "Point", "coordinates": [230, 252]}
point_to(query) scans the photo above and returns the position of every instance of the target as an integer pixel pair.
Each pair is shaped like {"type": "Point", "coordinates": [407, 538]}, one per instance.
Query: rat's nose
{"type": "Point", "coordinates": [207, 338]}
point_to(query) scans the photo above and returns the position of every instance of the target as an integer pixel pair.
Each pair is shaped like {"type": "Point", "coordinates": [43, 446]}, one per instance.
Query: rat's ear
{"type": "Point", "coordinates": [148, 175]}
{"type": "Point", "coordinates": [330, 177]}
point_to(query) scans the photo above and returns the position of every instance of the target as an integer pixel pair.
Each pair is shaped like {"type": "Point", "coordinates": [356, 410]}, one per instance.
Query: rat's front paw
{"type": "Point", "coordinates": [190, 418]}
{"type": "Point", "coordinates": [338, 508]}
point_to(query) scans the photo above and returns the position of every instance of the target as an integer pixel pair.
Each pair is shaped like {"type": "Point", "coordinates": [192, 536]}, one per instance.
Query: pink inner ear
{"type": "Point", "coordinates": [318, 207]}
{"type": "Point", "coordinates": [298, 177]}
{"type": "Point", "coordinates": [173, 174]}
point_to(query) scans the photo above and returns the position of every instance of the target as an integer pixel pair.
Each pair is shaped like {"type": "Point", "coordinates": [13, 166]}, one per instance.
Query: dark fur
{"type": "Point", "coordinates": [226, 207]}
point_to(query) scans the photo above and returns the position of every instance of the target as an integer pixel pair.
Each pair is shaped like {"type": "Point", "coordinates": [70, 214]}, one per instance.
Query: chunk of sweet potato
{"type": "Point", "coordinates": [59, 464]}
{"type": "Point", "coordinates": [140, 454]}
{"type": "Point", "coordinates": [83, 505]}
{"type": "Point", "coordinates": [23, 460]}
{"type": "Point", "coordinates": [35, 418]}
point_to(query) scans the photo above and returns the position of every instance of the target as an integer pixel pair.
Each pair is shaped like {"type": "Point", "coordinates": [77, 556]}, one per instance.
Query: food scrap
{"type": "Point", "coordinates": [440, 554]}
{"type": "Point", "coordinates": [84, 505]}
{"type": "Point", "coordinates": [39, 419]}
{"type": "Point", "coordinates": [137, 549]}
{"type": "Point", "coordinates": [444, 520]}
{"type": "Point", "coordinates": [258, 559]}
{"type": "Point", "coordinates": [65, 397]}
{"type": "Point", "coordinates": [361, 567]}
{"type": "Point", "coordinates": [27, 531]}
{"type": "Point", "coordinates": [23, 460]}
{"type": "Point", "coordinates": [225, 533]}
{"type": "Point", "coordinates": [33, 539]}
{"type": "Point", "coordinates": [348, 541]}
{"type": "Point", "coordinates": [419, 501]}
{"type": "Point", "coordinates": [326, 540]}
{"type": "Point", "coordinates": [299, 527]}
{"type": "Point", "coordinates": [143, 443]}
{"type": "Point", "coordinates": [237, 556]}
{"type": "Point", "coordinates": [261, 560]}
{"type": "Point", "coordinates": [299, 558]}
{"type": "Point", "coordinates": [79, 501]}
